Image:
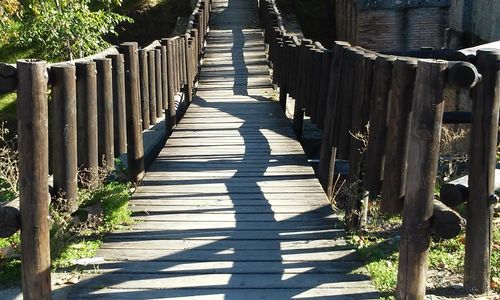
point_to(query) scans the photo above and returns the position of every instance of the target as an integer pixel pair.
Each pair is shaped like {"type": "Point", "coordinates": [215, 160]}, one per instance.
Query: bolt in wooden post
{"type": "Point", "coordinates": [171, 119]}
{"type": "Point", "coordinates": [105, 113]}
{"type": "Point", "coordinates": [189, 71]}
{"type": "Point", "coordinates": [135, 148]}
{"type": "Point", "coordinates": [144, 87]}
{"type": "Point", "coordinates": [152, 86]}
{"type": "Point", "coordinates": [33, 147]}
{"type": "Point", "coordinates": [426, 121]}
{"type": "Point", "coordinates": [119, 110]}
{"type": "Point", "coordinates": [159, 88]}
{"type": "Point", "coordinates": [86, 98]}
{"type": "Point", "coordinates": [483, 146]}
{"type": "Point", "coordinates": [64, 151]}
{"type": "Point", "coordinates": [397, 138]}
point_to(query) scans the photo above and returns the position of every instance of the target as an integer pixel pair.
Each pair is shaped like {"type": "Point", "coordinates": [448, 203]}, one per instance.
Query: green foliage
{"type": "Point", "coordinates": [380, 255]}
{"type": "Point", "coordinates": [66, 29]}
{"type": "Point", "coordinates": [10, 272]}
{"type": "Point", "coordinates": [114, 201]}
{"type": "Point", "coordinates": [10, 268]}
{"type": "Point", "coordinates": [81, 249]}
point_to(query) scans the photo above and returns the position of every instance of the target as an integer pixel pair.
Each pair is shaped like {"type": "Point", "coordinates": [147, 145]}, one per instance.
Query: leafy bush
{"type": "Point", "coordinates": [67, 29]}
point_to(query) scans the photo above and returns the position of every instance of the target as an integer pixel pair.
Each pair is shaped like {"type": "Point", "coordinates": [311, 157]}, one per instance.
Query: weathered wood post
{"type": "Point", "coordinates": [33, 147]}
{"type": "Point", "coordinates": [64, 151]}
{"type": "Point", "coordinates": [397, 138]}
{"type": "Point", "coordinates": [159, 87]}
{"type": "Point", "coordinates": [119, 110]}
{"type": "Point", "coordinates": [105, 113]}
{"type": "Point", "coordinates": [343, 138]}
{"type": "Point", "coordinates": [164, 79]}
{"type": "Point", "coordinates": [426, 121]}
{"type": "Point", "coordinates": [171, 119]}
{"type": "Point", "coordinates": [175, 64]}
{"type": "Point", "coordinates": [189, 71]}
{"type": "Point", "coordinates": [86, 98]}
{"type": "Point", "coordinates": [144, 87]}
{"type": "Point", "coordinates": [299, 111]}
{"type": "Point", "coordinates": [328, 149]}
{"type": "Point", "coordinates": [326, 62]}
{"type": "Point", "coordinates": [360, 115]}
{"type": "Point", "coordinates": [152, 86]}
{"type": "Point", "coordinates": [483, 146]}
{"type": "Point", "coordinates": [135, 148]}
{"type": "Point", "coordinates": [378, 125]}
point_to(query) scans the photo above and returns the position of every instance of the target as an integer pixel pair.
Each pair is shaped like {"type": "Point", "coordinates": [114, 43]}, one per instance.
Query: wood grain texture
{"type": "Point", "coordinates": [484, 133]}
{"type": "Point", "coordinates": [231, 208]}
{"type": "Point", "coordinates": [425, 133]}
{"type": "Point", "coordinates": [33, 147]}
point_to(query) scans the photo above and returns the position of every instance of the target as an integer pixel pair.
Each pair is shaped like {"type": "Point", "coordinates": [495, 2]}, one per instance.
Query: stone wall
{"type": "Point", "coordinates": [383, 25]}
{"type": "Point", "coordinates": [474, 22]}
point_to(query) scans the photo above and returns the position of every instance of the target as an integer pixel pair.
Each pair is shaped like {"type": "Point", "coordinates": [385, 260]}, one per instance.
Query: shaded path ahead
{"type": "Point", "coordinates": [231, 209]}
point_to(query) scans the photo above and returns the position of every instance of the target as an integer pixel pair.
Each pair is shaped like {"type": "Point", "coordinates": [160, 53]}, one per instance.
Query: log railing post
{"type": "Point", "coordinates": [152, 86]}
{"type": "Point", "coordinates": [397, 138]}
{"type": "Point", "coordinates": [360, 116]}
{"type": "Point", "coordinates": [328, 150]}
{"type": "Point", "coordinates": [135, 150]}
{"type": "Point", "coordinates": [105, 113]}
{"type": "Point", "coordinates": [159, 87]}
{"type": "Point", "coordinates": [189, 71]}
{"type": "Point", "coordinates": [119, 111]}
{"type": "Point", "coordinates": [33, 147]}
{"type": "Point", "coordinates": [164, 79]}
{"type": "Point", "coordinates": [171, 119]}
{"type": "Point", "coordinates": [144, 87]}
{"type": "Point", "coordinates": [64, 148]}
{"type": "Point", "coordinates": [378, 124]}
{"type": "Point", "coordinates": [426, 121]}
{"type": "Point", "coordinates": [298, 112]}
{"type": "Point", "coordinates": [483, 147]}
{"type": "Point", "coordinates": [86, 98]}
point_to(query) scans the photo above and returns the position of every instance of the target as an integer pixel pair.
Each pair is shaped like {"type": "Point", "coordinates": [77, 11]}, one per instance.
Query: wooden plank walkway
{"type": "Point", "coordinates": [231, 209]}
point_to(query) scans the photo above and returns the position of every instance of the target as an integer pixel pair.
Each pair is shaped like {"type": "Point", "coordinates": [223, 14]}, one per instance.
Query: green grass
{"type": "Point", "coordinates": [379, 252]}
{"type": "Point", "coordinates": [69, 242]}
{"type": "Point", "coordinates": [77, 250]}
{"type": "Point", "coordinates": [8, 106]}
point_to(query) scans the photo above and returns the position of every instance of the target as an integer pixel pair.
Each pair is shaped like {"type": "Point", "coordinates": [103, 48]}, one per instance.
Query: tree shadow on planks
{"type": "Point", "coordinates": [245, 247]}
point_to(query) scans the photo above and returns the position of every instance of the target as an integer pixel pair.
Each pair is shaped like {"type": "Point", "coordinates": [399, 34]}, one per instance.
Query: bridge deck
{"type": "Point", "coordinates": [230, 209]}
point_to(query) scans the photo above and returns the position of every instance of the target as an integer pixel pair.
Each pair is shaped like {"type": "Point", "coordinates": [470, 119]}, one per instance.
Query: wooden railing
{"type": "Point", "coordinates": [100, 106]}
{"type": "Point", "coordinates": [390, 109]}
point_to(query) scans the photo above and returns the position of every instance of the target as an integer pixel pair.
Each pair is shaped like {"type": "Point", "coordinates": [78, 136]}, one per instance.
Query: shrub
{"type": "Point", "coordinates": [67, 29]}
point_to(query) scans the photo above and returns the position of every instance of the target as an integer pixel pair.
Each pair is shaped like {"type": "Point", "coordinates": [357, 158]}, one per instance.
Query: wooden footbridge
{"type": "Point", "coordinates": [229, 207]}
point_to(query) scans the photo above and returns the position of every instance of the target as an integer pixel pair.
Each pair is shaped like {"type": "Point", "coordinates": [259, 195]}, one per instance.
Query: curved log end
{"type": "Point", "coordinates": [10, 221]}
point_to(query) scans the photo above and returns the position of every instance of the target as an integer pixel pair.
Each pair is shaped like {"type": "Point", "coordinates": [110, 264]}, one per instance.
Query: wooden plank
{"type": "Point", "coordinates": [214, 244]}
{"type": "Point", "coordinates": [235, 217]}
{"type": "Point", "coordinates": [207, 225]}
{"type": "Point", "coordinates": [260, 281]}
{"type": "Point", "coordinates": [221, 293]}
{"type": "Point", "coordinates": [221, 267]}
